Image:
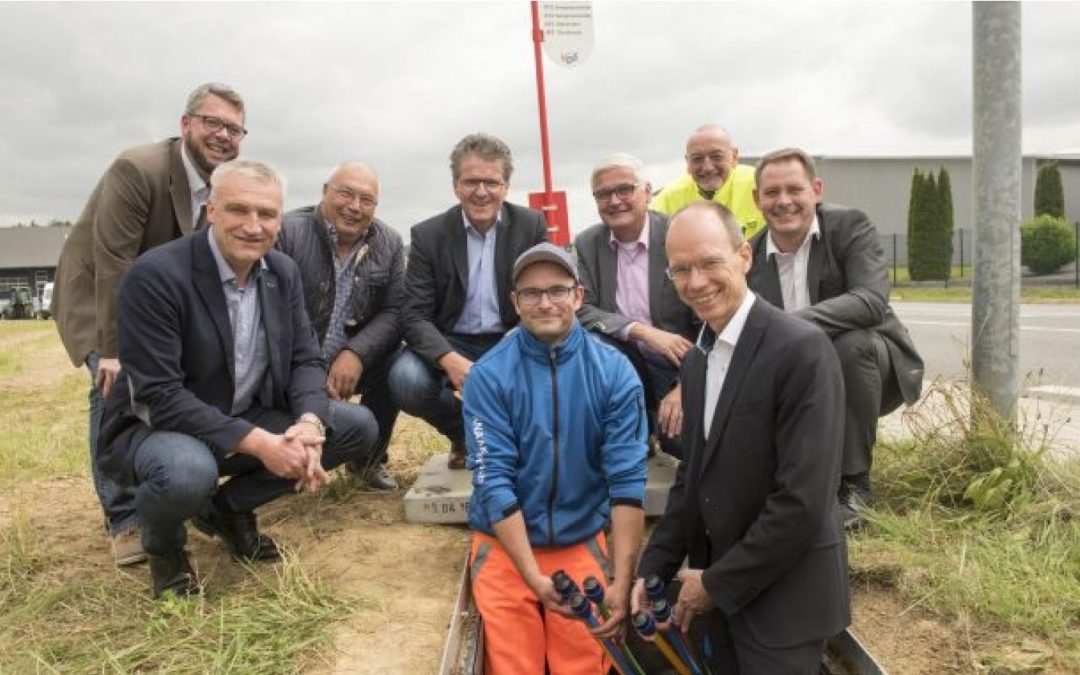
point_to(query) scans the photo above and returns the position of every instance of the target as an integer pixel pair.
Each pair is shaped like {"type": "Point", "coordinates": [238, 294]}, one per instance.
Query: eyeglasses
{"type": "Point", "coordinates": [530, 297]}
{"type": "Point", "coordinates": [622, 191]}
{"type": "Point", "coordinates": [718, 157]}
{"type": "Point", "coordinates": [474, 184]}
{"type": "Point", "coordinates": [216, 124]}
{"type": "Point", "coordinates": [349, 195]}
{"type": "Point", "coordinates": [681, 272]}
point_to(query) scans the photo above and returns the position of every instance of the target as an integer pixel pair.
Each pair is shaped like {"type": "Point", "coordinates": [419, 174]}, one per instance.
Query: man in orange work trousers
{"type": "Point", "coordinates": [556, 433]}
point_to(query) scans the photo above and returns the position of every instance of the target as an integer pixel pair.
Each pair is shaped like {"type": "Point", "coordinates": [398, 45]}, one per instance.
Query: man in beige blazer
{"type": "Point", "coordinates": [151, 194]}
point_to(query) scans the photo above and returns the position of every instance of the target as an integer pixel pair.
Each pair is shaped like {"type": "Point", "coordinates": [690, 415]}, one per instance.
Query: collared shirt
{"type": "Point", "coordinates": [792, 268]}
{"type": "Point", "coordinates": [344, 273]}
{"type": "Point", "coordinates": [719, 356]}
{"type": "Point", "coordinates": [481, 312]}
{"type": "Point", "coordinates": [200, 190]}
{"type": "Point", "coordinates": [251, 357]}
{"type": "Point", "coordinates": [632, 280]}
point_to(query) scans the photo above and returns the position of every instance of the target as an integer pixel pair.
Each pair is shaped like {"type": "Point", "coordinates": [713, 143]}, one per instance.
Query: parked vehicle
{"type": "Point", "coordinates": [19, 305]}
{"type": "Point", "coordinates": [44, 310]}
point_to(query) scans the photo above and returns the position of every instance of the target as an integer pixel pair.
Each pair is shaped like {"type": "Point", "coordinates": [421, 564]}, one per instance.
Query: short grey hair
{"type": "Point", "coordinates": [485, 146]}
{"type": "Point", "coordinates": [722, 213]}
{"type": "Point", "coordinates": [620, 160]}
{"type": "Point", "coordinates": [260, 171]}
{"type": "Point", "coordinates": [222, 91]}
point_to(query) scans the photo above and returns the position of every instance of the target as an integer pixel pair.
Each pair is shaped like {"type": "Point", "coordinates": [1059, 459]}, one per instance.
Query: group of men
{"type": "Point", "coordinates": [732, 320]}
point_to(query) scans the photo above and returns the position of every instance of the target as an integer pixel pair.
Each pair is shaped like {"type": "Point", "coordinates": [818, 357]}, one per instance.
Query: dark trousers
{"type": "Point", "coordinates": [374, 389]}
{"type": "Point", "coordinates": [657, 380]}
{"type": "Point", "coordinates": [423, 390]}
{"type": "Point", "coordinates": [734, 649]}
{"type": "Point", "coordinates": [176, 474]}
{"type": "Point", "coordinates": [871, 391]}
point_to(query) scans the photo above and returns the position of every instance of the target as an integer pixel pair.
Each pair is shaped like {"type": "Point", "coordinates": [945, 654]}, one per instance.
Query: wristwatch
{"type": "Point", "coordinates": [312, 419]}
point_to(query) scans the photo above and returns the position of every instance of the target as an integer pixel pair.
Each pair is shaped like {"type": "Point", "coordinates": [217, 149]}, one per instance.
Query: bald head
{"type": "Point", "coordinates": [708, 261]}
{"type": "Point", "coordinates": [350, 196]}
{"type": "Point", "coordinates": [711, 156]}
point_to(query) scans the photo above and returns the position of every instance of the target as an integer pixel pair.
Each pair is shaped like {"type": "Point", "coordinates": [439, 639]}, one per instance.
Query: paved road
{"type": "Point", "coordinates": [1049, 339]}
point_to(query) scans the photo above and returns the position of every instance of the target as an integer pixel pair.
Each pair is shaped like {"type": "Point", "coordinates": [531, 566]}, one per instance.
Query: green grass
{"type": "Point", "coordinates": [1034, 294]}
{"type": "Point", "coordinates": [976, 520]}
{"type": "Point", "coordinates": [276, 620]}
{"type": "Point", "coordinates": [63, 612]}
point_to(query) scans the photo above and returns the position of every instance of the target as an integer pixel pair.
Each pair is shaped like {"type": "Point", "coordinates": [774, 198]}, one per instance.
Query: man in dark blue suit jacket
{"type": "Point", "coordinates": [221, 376]}
{"type": "Point", "coordinates": [457, 286]}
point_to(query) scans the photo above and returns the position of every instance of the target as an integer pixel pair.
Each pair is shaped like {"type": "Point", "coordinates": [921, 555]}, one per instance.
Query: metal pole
{"type": "Point", "coordinates": [1076, 260]}
{"type": "Point", "coordinates": [894, 236]}
{"type": "Point", "coordinates": [538, 39]}
{"type": "Point", "coordinates": [995, 324]}
{"type": "Point", "coordinates": [961, 252]}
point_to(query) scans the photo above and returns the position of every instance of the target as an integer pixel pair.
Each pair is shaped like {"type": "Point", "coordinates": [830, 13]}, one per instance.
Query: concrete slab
{"type": "Point", "coordinates": [441, 496]}
{"type": "Point", "coordinates": [1055, 392]}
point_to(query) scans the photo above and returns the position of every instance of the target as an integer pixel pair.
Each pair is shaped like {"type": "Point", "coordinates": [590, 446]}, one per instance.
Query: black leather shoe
{"type": "Point", "coordinates": [378, 478]}
{"type": "Point", "coordinates": [457, 455]}
{"type": "Point", "coordinates": [240, 532]}
{"type": "Point", "coordinates": [172, 573]}
{"type": "Point", "coordinates": [854, 498]}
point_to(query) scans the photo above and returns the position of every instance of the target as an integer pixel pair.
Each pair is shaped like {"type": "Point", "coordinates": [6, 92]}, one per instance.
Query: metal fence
{"type": "Point", "coordinates": [963, 254]}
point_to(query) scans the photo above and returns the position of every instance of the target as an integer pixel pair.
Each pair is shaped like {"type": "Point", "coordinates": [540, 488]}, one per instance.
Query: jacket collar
{"type": "Point", "coordinates": [541, 351]}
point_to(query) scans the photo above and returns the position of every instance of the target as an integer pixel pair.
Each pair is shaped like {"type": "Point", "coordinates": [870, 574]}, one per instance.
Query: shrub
{"type": "Point", "coordinates": [1047, 243]}
{"type": "Point", "coordinates": [1049, 192]}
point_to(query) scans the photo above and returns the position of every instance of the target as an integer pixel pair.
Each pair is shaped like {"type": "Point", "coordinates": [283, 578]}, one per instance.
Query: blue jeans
{"type": "Point", "coordinates": [176, 474]}
{"type": "Point", "coordinates": [424, 391]}
{"type": "Point", "coordinates": [117, 501]}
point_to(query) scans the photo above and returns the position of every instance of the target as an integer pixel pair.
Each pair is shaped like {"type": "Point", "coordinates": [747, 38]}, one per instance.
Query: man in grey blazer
{"type": "Point", "coordinates": [457, 286]}
{"type": "Point", "coordinates": [629, 300]}
{"type": "Point", "coordinates": [150, 195]}
{"type": "Point", "coordinates": [825, 263]}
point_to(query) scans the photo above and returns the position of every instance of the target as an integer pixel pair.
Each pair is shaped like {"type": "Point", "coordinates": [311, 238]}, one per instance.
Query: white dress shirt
{"type": "Point", "coordinates": [719, 357]}
{"type": "Point", "coordinates": [792, 269]}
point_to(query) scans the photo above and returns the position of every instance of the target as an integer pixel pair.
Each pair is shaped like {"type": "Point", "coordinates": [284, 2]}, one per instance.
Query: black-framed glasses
{"type": "Point", "coordinates": [622, 191]}
{"type": "Point", "coordinates": [530, 297]}
{"type": "Point", "coordinates": [216, 124]}
{"type": "Point", "coordinates": [716, 157]}
{"type": "Point", "coordinates": [474, 184]}
{"type": "Point", "coordinates": [349, 195]}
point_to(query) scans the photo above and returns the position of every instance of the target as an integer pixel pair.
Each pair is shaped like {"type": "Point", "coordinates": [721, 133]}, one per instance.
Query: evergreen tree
{"type": "Point", "coordinates": [916, 225]}
{"type": "Point", "coordinates": [1049, 192]}
{"type": "Point", "coordinates": [946, 225]}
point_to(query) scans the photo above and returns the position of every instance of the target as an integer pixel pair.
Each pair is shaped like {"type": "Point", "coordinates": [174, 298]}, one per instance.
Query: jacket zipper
{"type": "Point", "coordinates": [554, 448]}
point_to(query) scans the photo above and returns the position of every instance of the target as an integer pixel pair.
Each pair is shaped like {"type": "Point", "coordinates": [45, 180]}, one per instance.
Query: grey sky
{"type": "Point", "coordinates": [397, 84]}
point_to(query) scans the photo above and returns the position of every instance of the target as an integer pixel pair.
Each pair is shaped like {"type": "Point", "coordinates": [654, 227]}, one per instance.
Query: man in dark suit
{"type": "Point", "coordinates": [825, 264]}
{"type": "Point", "coordinates": [353, 270]}
{"type": "Point", "coordinates": [457, 286]}
{"type": "Point", "coordinates": [221, 376]}
{"type": "Point", "coordinates": [628, 298]}
{"type": "Point", "coordinates": [150, 194]}
{"type": "Point", "coordinates": [754, 503]}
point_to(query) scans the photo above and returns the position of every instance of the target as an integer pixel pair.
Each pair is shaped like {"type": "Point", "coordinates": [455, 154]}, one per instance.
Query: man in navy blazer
{"type": "Point", "coordinates": [753, 508]}
{"type": "Point", "coordinates": [457, 286]}
{"type": "Point", "coordinates": [221, 376]}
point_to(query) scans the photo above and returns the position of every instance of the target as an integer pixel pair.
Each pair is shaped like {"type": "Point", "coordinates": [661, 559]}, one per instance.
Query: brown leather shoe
{"type": "Point", "coordinates": [127, 548]}
{"type": "Point", "coordinates": [457, 455]}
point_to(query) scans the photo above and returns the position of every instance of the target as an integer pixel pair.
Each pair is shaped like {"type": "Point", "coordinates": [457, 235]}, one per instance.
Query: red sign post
{"type": "Point", "coordinates": [552, 204]}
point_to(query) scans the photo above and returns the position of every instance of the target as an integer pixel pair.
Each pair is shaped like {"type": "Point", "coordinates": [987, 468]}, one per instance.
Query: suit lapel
{"type": "Point", "coordinates": [608, 267]}
{"type": "Point", "coordinates": [458, 246]}
{"type": "Point", "coordinates": [814, 268]}
{"type": "Point", "coordinates": [741, 360]}
{"type": "Point", "coordinates": [764, 277]}
{"type": "Point", "coordinates": [207, 283]}
{"type": "Point", "coordinates": [503, 252]}
{"type": "Point", "coordinates": [657, 264]}
{"type": "Point", "coordinates": [271, 304]}
{"type": "Point", "coordinates": [179, 190]}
